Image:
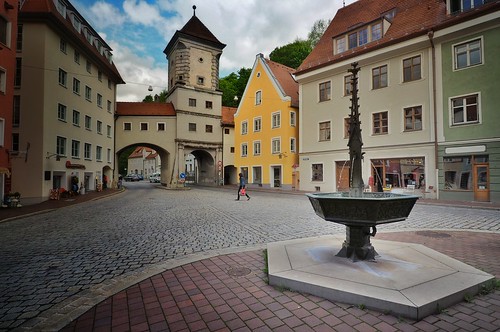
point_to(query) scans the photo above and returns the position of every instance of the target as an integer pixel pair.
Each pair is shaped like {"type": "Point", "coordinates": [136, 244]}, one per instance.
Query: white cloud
{"type": "Point", "coordinates": [105, 15]}
{"type": "Point", "coordinates": [247, 27]}
{"type": "Point", "coordinates": [142, 12]}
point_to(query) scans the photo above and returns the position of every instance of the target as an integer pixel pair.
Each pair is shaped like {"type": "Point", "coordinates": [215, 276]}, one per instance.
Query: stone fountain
{"type": "Point", "coordinates": [360, 211]}
{"type": "Point", "coordinates": [406, 279]}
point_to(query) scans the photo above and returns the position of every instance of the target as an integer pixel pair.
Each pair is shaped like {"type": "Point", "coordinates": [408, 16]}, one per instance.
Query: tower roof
{"type": "Point", "coordinates": [194, 30]}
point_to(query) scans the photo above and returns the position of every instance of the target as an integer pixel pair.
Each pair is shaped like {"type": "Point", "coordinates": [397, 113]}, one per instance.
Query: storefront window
{"type": "Point", "coordinates": [458, 171]}
{"type": "Point", "coordinates": [399, 173]}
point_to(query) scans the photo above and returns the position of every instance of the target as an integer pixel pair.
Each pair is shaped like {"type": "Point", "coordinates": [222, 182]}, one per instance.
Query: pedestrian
{"type": "Point", "coordinates": [242, 188]}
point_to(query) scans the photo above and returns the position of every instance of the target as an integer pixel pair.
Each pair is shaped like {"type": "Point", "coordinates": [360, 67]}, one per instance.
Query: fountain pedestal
{"type": "Point", "coordinates": [357, 245]}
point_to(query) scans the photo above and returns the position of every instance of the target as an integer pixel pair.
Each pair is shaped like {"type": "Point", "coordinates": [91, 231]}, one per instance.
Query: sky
{"type": "Point", "coordinates": [138, 31]}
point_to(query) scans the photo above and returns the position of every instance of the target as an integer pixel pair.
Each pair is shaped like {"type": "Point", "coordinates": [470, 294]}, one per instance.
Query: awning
{"type": "Point", "coordinates": [5, 170]}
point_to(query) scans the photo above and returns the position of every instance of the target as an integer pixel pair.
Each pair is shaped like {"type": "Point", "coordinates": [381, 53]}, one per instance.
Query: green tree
{"type": "Point", "coordinates": [292, 54]}
{"type": "Point", "coordinates": [318, 29]}
{"type": "Point", "coordinates": [233, 85]}
{"type": "Point", "coordinates": [161, 98]}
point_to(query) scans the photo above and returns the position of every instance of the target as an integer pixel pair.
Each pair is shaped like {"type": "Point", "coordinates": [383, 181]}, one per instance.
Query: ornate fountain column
{"type": "Point", "coordinates": [357, 245]}
{"type": "Point", "coordinates": [355, 143]}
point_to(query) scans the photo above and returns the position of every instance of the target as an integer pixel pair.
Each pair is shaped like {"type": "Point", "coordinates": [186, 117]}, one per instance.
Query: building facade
{"type": "Point", "coordinates": [186, 131]}
{"type": "Point", "coordinates": [266, 127]}
{"type": "Point", "coordinates": [406, 86]}
{"type": "Point", "coordinates": [65, 85]}
{"type": "Point", "coordinates": [469, 147]}
{"type": "Point", "coordinates": [193, 56]}
{"type": "Point", "coordinates": [8, 42]}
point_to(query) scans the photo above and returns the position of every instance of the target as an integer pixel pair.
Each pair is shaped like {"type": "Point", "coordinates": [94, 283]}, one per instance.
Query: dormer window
{"type": "Point", "coordinates": [458, 6]}
{"type": "Point", "coordinates": [61, 7]}
{"type": "Point", "coordinates": [358, 37]}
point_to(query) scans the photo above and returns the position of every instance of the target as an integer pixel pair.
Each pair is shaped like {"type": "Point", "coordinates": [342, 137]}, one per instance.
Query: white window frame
{"type": "Point", "coordinates": [463, 97]}
{"type": "Point", "coordinates": [8, 31]}
{"type": "Point", "coordinates": [258, 97]}
{"type": "Point", "coordinates": [98, 153]}
{"type": "Point", "coordinates": [276, 119]}
{"type": "Point", "coordinates": [99, 127]}
{"type": "Point", "coordinates": [454, 48]}
{"type": "Point", "coordinates": [61, 145]}
{"type": "Point", "coordinates": [76, 86]}
{"type": "Point", "coordinates": [244, 149]}
{"type": "Point", "coordinates": [257, 147]}
{"type": "Point", "coordinates": [88, 122]}
{"type": "Point", "coordinates": [244, 127]}
{"type": "Point", "coordinates": [257, 124]}
{"type": "Point", "coordinates": [293, 118]}
{"type": "Point", "coordinates": [144, 124]}
{"type": "Point", "coordinates": [109, 155]}
{"type": "Point", "coordinates": [129, 124]}
{"type": "Point", "coordinates": [87, 151]}
{"type": "Point", "coordinates": [62, 112]}
{"type": "Point", "coordinates": [75, 149]}
{"type": "Point", "coordinates": [108, 130]}
{"type": "Point", "coordinates": [276, 145]}
{"type": "Point", "coordinates": [88, 93]}
{"type": "Point", "coordinates": [3, 80]}
{"type": "Point", "coordinates": [159, 124]}
{"type": "Point", "coordinates": [99, 100]}
{"type": "Point", "coordinates": [63, 77]}
{"type": "Point", "coordinates": [76, 118]}
{"type": "Point", "coordinates": [293, 145]}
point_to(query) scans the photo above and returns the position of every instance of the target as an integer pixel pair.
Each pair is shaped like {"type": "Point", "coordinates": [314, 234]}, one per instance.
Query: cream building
{"type": "Point", "coordinates": [66, 83]}
{"type": "Point", "coordinates": [396, 100]}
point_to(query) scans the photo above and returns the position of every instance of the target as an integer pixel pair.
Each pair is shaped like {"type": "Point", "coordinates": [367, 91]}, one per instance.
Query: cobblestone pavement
{"type": "Point", "coordinates": [55, 266]}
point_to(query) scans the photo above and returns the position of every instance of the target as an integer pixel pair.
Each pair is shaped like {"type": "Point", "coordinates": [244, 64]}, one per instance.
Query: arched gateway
{"type": "Point", "coordinates": [190, 123]}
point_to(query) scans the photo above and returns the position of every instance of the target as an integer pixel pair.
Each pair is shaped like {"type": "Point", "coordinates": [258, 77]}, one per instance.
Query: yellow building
{"type": "Point", "coordinates": [266, 127]}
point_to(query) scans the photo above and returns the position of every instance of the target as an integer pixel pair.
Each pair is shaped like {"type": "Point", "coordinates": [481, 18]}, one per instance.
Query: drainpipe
{"type": "Point", "coordinates": [430, 34]}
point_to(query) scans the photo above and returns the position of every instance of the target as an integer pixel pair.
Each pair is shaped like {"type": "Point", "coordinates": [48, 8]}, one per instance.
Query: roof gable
{"type": "Point", "coordinates": [412, 18]}
{"type": "Point", "coordinates": [194, 30]}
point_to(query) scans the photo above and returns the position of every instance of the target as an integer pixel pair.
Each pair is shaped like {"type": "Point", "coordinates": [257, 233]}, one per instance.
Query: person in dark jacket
{"type": "Point", "coordinates": [242, 186]}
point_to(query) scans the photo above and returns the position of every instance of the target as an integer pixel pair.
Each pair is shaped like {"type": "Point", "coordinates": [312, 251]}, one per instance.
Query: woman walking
{"type": "Point", "coordinates": [242, 187]}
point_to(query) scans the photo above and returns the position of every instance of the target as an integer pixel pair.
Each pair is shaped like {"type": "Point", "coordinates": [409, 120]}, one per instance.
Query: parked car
{"type": "Point", "coordinates": [155, 178]}
{"type": "Point", "coordinates": [131, 177]}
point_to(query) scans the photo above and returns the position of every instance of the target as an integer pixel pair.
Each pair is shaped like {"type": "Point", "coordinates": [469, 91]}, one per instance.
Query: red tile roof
{"type": "Point", "coordinates": [228, 115]}
{"type": "Point", "coordinates": [284, 76]}
{"type": "Point", "coordinates": [145, 109]}
{"type": "Point", "coordinates": [45, 10]}
{"type": "Point", "coordinates": [413, 18]}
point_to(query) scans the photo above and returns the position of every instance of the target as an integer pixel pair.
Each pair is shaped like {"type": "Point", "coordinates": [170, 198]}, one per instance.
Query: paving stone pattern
{"type": "Point", "coordinates": [52, 262]}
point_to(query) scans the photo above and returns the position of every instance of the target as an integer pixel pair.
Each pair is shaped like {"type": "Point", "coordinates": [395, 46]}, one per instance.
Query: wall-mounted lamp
{"type": "Point", "coordinates": [50, 155]}
{"type": "Point", "coordinates": [7, 5]}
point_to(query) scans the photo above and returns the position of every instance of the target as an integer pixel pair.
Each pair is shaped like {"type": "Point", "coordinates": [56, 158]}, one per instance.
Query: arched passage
{"type": "Point", "coordinates": [163, 164]}
{"type": "Point", "coordinates": [200, 167]}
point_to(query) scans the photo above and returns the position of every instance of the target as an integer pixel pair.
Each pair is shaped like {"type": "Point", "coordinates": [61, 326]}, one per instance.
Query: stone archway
{"type": "Point", "coordinates": [204, 170]}
{"type": "Point", "coordinates": [163, 165]}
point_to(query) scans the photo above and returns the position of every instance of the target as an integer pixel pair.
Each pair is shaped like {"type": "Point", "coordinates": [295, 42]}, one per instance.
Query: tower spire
{"type": "Point", "coordinates": [194, 10]}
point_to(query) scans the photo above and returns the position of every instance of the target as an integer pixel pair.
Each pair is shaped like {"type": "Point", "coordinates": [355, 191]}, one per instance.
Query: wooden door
{"type": "Point", "coordinates": [481, 182]}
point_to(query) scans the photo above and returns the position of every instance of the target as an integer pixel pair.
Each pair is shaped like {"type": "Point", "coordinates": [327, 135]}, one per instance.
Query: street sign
{"type": "Point", "coordinates": [182, 176]}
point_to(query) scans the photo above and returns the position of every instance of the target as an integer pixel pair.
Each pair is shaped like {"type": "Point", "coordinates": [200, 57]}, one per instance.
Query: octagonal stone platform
{"type": "Point", "coordinates": [408, 280]}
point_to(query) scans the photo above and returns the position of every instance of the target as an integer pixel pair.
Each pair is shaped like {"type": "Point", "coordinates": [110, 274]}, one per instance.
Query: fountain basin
{"type": "Point", "coordinates": [370, 209]}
